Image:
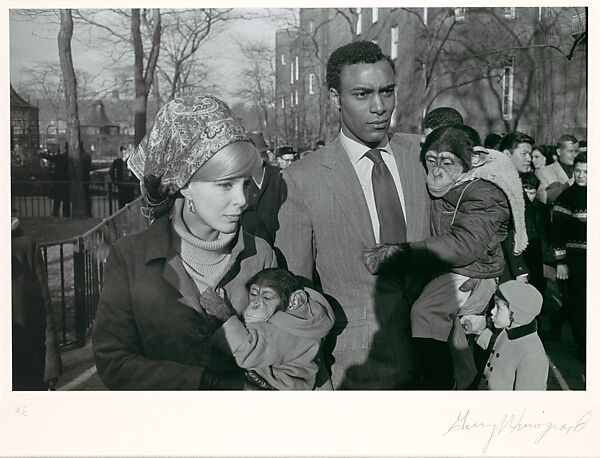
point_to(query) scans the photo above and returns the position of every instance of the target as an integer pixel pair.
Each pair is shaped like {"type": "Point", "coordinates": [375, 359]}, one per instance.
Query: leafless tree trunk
{"type": "Point", "coordinates": [65, 35]}
{"type": "Point", "coordinates": [143, 77]}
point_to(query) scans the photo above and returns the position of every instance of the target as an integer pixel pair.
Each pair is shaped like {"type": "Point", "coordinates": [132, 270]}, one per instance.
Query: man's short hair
{"type": "Point", "coordinates": [564, 139]}
{"type": "Point", "coordinates": [581, 158]}
{"type": "Point", "coordinates": [492, 141]}
{"type": "Point", "coordinates": [514, 139]}
{"type": "Point", "coordinates": [357, 52]}
{"type": "Point", "coordinates": [442, 116]}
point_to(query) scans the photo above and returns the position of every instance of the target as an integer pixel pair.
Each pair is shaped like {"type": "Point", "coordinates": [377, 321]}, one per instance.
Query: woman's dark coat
{"type": "Point", "coordinates": [150, 331]}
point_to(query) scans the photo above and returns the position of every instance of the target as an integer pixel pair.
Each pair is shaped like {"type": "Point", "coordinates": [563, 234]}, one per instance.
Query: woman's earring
{"type": "Point", "coordinates": [191, 206]}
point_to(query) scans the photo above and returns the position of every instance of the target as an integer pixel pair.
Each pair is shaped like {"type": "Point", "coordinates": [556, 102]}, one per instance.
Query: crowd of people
{"type": "Point", "coordinates": [378, 261]}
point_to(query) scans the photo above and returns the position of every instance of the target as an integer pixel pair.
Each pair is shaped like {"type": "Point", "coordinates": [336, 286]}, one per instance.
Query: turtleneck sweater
{"type": "Point", "coordinates": [205, 261]}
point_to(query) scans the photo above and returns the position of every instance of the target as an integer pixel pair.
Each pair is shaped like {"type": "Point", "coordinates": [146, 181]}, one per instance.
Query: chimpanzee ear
{"type": "Point", "coordinates": [298, 299]}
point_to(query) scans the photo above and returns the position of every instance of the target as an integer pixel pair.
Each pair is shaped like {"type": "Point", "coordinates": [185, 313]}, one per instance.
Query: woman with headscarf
{"type": "Point", "coordinates": [151, 331]}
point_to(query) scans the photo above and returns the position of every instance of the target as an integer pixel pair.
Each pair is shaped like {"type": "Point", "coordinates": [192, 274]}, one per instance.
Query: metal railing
{"type": "Point", "coordinates": [76, 271]}
{"type": "Point", "coordinates": [43, 198]}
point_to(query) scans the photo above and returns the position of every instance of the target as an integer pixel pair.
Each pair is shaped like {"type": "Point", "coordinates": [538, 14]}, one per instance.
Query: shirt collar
{"type": "Point", "coordinates": [356, 151]}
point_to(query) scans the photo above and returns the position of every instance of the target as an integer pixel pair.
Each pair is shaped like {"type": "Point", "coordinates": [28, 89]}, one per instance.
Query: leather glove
{"type": "Point", "coordinates": [213, 381]}
{"type": "Point", "coordinates": [386, 256]}
{"type": "Point", "coordinates": [216, 305]}
{"type": "Point", "coordinates": [253, 381]}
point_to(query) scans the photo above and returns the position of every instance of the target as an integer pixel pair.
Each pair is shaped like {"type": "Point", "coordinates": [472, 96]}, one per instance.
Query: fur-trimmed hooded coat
{"type": "Point", "coordinates": [471, 220]}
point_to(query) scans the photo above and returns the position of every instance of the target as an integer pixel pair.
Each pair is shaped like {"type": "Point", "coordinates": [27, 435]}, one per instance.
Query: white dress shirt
{"type": "Point", "coordinates": [364, 166]}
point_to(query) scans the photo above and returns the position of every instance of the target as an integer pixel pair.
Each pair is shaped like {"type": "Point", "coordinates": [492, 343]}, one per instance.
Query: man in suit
{"type": "Point", "coordinates": [558, 176]}
{"type": "Point", "coordinates": [331, 213]}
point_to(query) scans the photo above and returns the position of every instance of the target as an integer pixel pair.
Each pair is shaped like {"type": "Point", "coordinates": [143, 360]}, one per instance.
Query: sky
{"type": "Point", "coordinates": [37, 42]}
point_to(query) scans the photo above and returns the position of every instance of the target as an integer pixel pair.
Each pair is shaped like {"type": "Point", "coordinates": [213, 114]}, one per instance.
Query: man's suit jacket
{"type": "Point", "coordinates": [324, 229]}
{"type": "Point", "coordinates": [554, 175]}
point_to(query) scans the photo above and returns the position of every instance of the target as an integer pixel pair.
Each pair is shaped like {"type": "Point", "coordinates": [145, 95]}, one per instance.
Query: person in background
{"type": "Point", "coordinates": [86, 169]}
{"type": "Point", "coordinates": [541, 156]}
{"type": "Point", "coordinates": [119, 175]}
{"type": "Point", "coordinates": [582, 146]}
{"type": "Point", "coordinates": [492, 141]}
{"type": "Point", "coordinates": [36, 360]}
{"type": "Point", "coordinates": [569, 240]}
{"type": "Point", "coordinates": [60, 191]}
{"type": "Point", "coordinates": [438, 117]}
{"type": "Point", "coordinates": [151, 332]}
{"type": "Point", "coordinates": [557, 177]}
{"type": "Point", "coordinates": [264, 196]}
{"type": "Point", "coordinates": [517, 146]}
{"type": "Point", "coordinates": [285, 156]}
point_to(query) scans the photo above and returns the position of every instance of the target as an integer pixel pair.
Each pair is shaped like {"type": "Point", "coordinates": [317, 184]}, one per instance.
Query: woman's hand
{"type": "Point", "coordinates": [216, 305]}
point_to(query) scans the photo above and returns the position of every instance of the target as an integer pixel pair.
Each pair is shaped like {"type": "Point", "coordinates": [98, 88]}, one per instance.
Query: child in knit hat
{"type": "Point", "coordinates": [517, 359]}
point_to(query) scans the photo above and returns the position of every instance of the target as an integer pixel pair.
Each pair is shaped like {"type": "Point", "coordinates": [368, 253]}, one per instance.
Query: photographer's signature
{"type": "Point", "coordinates": [516, 423]}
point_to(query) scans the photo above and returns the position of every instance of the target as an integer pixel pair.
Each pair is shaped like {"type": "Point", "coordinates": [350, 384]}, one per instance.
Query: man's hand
{"type": "Point", "coordinates": [562, 272]}
{"type": "Point", "coordinates": [473, 324]}
{"type": "Point", "coordinates": [216, 305]}
{"type": "Point", "coordinates": [380, 257]}
{"type": "Point", "coordinates": [482, 289]}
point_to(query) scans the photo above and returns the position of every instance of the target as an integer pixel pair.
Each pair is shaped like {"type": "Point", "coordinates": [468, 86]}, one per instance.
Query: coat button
{"type": "Point", "coordinates": [497, 355]}
{"type": "Point", "coordinates": [491, 369]}
{"type": "Point", "coordinates": [488, 364]}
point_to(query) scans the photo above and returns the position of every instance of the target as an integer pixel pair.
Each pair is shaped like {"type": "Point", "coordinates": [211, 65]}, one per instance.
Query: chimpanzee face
{"type": "Point", "coordinates": [444, 169]}
{"type": "Point", "coordinates": [264, 301]}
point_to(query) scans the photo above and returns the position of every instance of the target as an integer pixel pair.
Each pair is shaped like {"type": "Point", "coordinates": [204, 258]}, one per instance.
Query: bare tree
{"type": "Point", "coordinates": [258, 76]}
{"type": "Point", "coordinates": [65, 35]}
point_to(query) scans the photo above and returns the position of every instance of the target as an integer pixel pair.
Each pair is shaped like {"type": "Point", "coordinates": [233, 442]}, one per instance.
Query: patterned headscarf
{"type": "Point", "coordinates": [187, 132]}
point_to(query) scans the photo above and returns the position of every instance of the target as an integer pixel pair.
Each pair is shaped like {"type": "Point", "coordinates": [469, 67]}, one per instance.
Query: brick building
{"type": "Point", "coordinates": [503, 68]}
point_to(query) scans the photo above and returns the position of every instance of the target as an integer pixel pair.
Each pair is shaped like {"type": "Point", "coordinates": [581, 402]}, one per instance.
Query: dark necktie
{"type": "Point", "coordinates": [392, 227]}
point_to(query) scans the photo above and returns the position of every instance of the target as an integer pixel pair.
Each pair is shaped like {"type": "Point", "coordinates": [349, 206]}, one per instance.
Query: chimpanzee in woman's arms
{"type": "Point", "coordinates": [279, 335]}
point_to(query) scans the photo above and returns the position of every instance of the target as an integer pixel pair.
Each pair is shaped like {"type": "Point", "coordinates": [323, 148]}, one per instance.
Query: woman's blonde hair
{"type": "Point", "coordinates": [236, 160]}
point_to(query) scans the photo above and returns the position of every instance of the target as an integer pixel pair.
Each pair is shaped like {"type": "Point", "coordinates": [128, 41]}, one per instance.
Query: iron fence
{"type": "Point", "coordinates": [76, 271]}
{"type": "Point", "coordinates": [42, 198]}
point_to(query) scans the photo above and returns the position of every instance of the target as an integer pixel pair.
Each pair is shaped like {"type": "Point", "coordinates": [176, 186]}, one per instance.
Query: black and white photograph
{"type": "Point", "coordinates": [389, 202]}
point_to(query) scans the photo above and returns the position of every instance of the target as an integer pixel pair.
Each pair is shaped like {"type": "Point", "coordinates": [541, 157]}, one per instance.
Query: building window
{"type": "Point", "coordinates": [282, 102]}
{"type": "Point", "coordinates": [311, 26]}
{"type": "Point", "coordinates": [460, 14]}
{"type": "Point", "coordinates": [296, 123]}
{"type": "Point", "coordinates": [296, 97]}
{"type": "Point", "coordinates": [359, 21]}
{"type": "Point", "coordinates": [292, 73]}
{"type": "Point", "coordinates": [311, 83]}
{"type": "Point", "coordinates": [394, 42]}
{"type": "Point", "coordinates": [297, 69]}
{"type": "Point", "coordinates": [425, 15]}
{"type": "Point", "coordinates": [283, 59]}
{"type": "Point", "coordinates": [374, 15]}
{"type": "Point", "coordinates": [291, 99]}
{"type": "Point", "coordinates": [510, 12]}
{"type": "Point", "coordinates": [507, 89]}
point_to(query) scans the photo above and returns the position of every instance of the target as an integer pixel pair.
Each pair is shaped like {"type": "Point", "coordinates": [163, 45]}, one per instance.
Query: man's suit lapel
{"type": "Point", "coordinates": [403, 151]}
{"type": "Point", "coordinates": [344, 184]}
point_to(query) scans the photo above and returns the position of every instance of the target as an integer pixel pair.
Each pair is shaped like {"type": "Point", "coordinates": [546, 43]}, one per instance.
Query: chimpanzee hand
{"type": "Point", "coordinates": [216, 305]}
{"type": "Point", "coordinates": [385, 256]}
